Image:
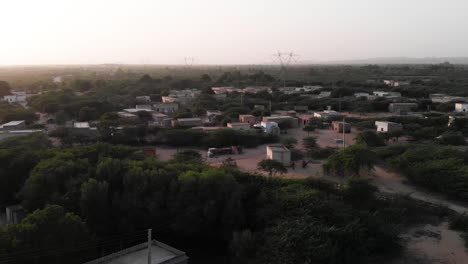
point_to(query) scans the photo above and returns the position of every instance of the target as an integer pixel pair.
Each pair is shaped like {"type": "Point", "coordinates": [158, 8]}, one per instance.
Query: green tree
{"type": "Point", "coordinates": [370, 139]}
{"type": "Point", "coordinates": [49, 228]}
{"type": "Point", "coordinates": [191, 156]}
{"type": "Point", "coordinates": [289, 142]}
{"type": "Point", "coordinates": [350, 161]}
{"type": "Point", "coordinates": [5, 88]}
{"type": "Point", "coordinates": [272, 167]}
{"type": "Point", "coordinates": [94, 204]}
{"type": "Point", "coordinates": [309, 128]}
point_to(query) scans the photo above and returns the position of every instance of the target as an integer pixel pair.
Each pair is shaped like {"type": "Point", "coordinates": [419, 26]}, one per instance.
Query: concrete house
{"type": "Point", "coordinates": [304, 119]}
{"type": "Point", "coordinates": [148, 107]}
{"type": "Point", "coordinates": [187, 122]}
{"type": "Point", "coordinates": [14, 214]}
{"type": "Point", "coordinates": [270, 128]}
{"type": "Point", "coordinates": [301, 108]}
{"type": "Point", "coordinates": [281, 119]}
{"type": "Point", "coordinates": [14, 125]}
{"type": "Point", "coordinates": [166, 108]}
{"type": "Point", "coordinates": [160, 254]}
{"type": "Point", "coordinates": [461, 107]}
{"type": "Point", "coordinates": [402, 107]}
{"type": "Point", "coordinates": [15, 97]}
{"type": "Point", "coordinates": [143, 99]}
{"type": "Point", "coordinates": [279, 153]}
{"type": "Point", "coordinates": [385, 126]}
{"type": "Point", "coordinates": [339, 126]}
{"type": "Point", "coordinates": [239, 126]}
{"type": "Point", "coordinates": [259, 107]}
{"type": "Point", "coordinates": [127, 116]}
{"type": "Point", "coordinates": [250, 119]}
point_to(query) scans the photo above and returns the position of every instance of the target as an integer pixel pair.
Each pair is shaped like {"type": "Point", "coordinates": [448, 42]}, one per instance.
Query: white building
{"type": "Point", "coordinates": [443, 98]}
{"type": "Point", "coordinates": [136, 110]}
{"type": "Point", "coordinates": [361, 95]}
{"type": "Point", "coordinates": [385, 126]}
{"type": "Point", "coordinates": [461, 107]}
{"type": "Point", "coordinates": [279, 153]}
{"type": "Point", "coordinates": [293, 122]}
{"type": "Point", "coordinates": [166, 107]}
{"type": "Point", "coordinates": [387, 94]}
{"type": "Point", "coordinates": [144, 98]}
{"type": "Point", "coordinates": [324, 94]}
{"type": "Point", "coordinates": [13, 125]}
{"type": "Point", "coordinates": [181, 96]}
{"type": "Point", "coordinates": [15, 97]}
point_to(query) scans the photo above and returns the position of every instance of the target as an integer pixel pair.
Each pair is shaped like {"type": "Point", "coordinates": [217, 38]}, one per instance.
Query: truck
{"type": "Point", "coordinates": [213, 152]}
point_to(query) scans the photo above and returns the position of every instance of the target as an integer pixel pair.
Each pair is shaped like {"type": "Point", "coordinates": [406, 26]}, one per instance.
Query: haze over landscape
{"type": "Point", "coordinates": [234, 32]}
{"type": "Point", "coordinates": [233, 132]}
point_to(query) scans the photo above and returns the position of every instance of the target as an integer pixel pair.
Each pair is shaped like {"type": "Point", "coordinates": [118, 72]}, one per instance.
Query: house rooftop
{"type": "Point", "coordinates": [189, 119]}
{"type": "Point", "coordinates": [13, 123]}
{"type": "Point", "coordinates": [81, 125]}
{"type": "Point", "coordinates": [136, 110]}
{"type": "Point", "coordinates": [160, 253]}
{"type": "Point", "coordinates": [278, 148]}
{"type": "Point", "coordinates": [239, 124]}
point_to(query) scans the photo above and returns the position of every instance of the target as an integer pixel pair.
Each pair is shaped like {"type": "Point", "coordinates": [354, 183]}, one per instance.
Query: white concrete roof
{"type": "Point", "coordinates": [160, 253]}
{"type": "Point", "coordinates": [81, 125]}
{"type": "Point", "coordinates": [13, 123]}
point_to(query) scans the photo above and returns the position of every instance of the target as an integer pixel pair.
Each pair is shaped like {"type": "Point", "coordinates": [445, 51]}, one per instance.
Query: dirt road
{"type": "Point", "coordinates": [391, 182]}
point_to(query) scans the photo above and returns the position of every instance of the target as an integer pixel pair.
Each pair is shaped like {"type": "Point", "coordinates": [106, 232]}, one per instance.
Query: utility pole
{"type": "Point", "coordinates": [149, 245]}
{"type": "Point", "coordinates": [270, 106]}
{"type": "Point", "coordinates": [344, 144]}
{"type": "Point", "coordinates": [242, 101]}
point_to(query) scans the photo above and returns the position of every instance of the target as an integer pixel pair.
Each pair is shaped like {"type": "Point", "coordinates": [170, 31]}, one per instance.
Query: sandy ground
{"type": "Point", "coordinates": [249, 159]}
{"type": "Point", "coordinates": [433, 244]}
{"type": "Point", "coordinates": [425, 244]}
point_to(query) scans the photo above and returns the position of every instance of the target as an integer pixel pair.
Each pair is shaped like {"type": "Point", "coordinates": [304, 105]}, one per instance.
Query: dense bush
{"type": "Point", "coordinates": [440, 168]}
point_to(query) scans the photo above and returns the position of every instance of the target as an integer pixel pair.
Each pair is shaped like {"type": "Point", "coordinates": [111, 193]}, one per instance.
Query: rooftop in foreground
{"type": "Point", "coordinates": [160, 253]}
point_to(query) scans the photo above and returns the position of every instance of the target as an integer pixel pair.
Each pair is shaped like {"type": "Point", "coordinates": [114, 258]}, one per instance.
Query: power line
{"type": "Point", "coordinates": [83, 246]}
{"type": "Point", "coordinates": [284, 59]}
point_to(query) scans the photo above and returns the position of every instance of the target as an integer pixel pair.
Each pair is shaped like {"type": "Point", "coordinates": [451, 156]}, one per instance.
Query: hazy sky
{"type": "Point", "coordinates": [227, 31]}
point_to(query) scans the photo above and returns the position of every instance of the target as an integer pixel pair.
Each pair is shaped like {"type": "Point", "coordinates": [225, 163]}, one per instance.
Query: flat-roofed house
{"type": "Point", "coordinates": [143, 99]}
{"type": "Point", "coordinates": [187, 122]}
{"type": "Point", "coordinates": [461, 107]}
{"type": "Point", "coordinates": [385, 126]}
{"type": "Point", "coordinates": [301, 108]}
{"type": "Point", "coordinates": [339, 126]}
{"type": "Point", "coordinates": [14, 213]}
{"type": "Point", "coordinates": [148, 107]}
{"type": "Point", "coordinates": [250, 119]}
{"type": "Point", "coordinates": [279, 153]}
{"type": "Point", "coordinates": [160, 254]}
{"type": "Point", "coordinates": [166, 108]}
{"type": "Point", "coordinates": [126, 115]}
{"type": "Point", "coordinates": [402, 107]}
{"type": "Point", "coordinates": [14, 125]}
{"type": "Point", "coordinates": [15, 97]}
{"type": "Point", "coordinates": [239, 126]}
{"type": "Point", "coordinates": [293, 122]}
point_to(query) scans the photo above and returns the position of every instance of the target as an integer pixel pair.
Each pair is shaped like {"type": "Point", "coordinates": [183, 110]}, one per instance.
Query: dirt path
{"type": "Point", "coordinates": [435, 244]}
{"type": "Point", "coordinates": [391, 182]}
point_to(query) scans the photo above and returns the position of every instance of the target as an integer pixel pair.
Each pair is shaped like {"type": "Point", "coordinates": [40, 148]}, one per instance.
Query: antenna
{"type": "Point", "coordinates": [284, 60]}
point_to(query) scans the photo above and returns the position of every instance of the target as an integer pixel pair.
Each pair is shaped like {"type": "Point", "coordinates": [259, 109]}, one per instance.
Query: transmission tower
{"type": "Point", "coordinates": [284, 59]}
{"type": "Point", "coordinates": [189, 61]}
